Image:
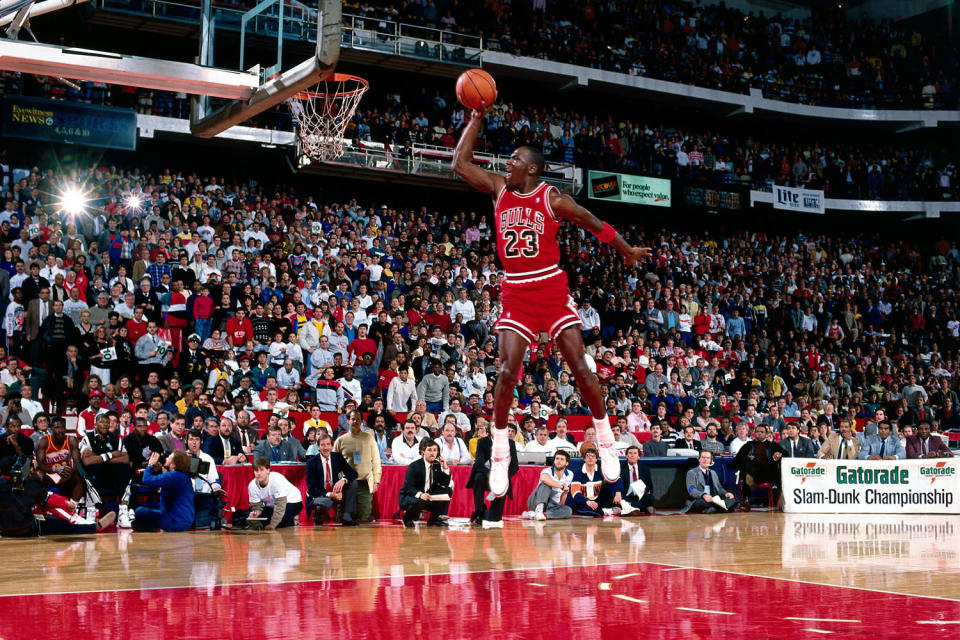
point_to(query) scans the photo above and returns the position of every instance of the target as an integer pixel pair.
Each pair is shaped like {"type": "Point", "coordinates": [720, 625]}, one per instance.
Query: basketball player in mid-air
{"type": "Point", "coordinates": [534, 293]}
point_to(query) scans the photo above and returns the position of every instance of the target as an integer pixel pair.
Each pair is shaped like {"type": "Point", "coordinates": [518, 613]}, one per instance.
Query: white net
{"type": "Point", "coordinates": [323, 112]}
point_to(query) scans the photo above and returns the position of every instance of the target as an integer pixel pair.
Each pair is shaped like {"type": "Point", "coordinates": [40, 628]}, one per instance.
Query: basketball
{"type": "Point", "coordinates": [476, 89]}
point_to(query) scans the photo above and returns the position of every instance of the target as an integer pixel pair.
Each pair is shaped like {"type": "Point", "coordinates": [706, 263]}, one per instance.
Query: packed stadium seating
{"type": "Point", "coordinates": [611, 141]}
{"type": "Point", "coordinates": [827, 61]}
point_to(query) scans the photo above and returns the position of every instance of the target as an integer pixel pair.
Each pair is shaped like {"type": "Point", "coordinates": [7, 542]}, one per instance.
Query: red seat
{"type": "Point", "coordinates": [769, 489]}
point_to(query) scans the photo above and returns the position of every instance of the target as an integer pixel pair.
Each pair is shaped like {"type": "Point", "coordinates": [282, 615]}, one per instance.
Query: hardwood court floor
{"type": "Point", "coordinates": [757, 575]}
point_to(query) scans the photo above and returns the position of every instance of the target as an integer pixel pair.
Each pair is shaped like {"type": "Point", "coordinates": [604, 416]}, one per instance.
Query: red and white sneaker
{"type": "Point", "coordinates": [500, 463]}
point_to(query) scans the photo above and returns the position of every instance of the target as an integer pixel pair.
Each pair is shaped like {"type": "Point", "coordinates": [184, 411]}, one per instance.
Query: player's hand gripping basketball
{"type": "Point", "coordinates": [478, 114]}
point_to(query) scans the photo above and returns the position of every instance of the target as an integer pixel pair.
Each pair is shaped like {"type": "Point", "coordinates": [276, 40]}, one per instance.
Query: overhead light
{"type": "Point", "coordinates": [73, 201]}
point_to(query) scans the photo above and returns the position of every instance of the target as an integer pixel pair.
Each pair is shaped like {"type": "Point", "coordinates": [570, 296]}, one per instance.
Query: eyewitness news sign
{"type": "Point", "coordinates": [622, 187]}
{"type": "Point", "coordinates": [871, 486]}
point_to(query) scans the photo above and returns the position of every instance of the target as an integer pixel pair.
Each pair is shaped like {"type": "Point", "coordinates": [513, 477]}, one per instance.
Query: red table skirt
{"type": "Point", "coordinates": [386, 503]}
{"type": "Point", "coordinates": [236, 478]}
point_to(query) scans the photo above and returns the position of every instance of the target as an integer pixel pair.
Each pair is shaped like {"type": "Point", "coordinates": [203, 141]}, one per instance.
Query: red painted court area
{"type": "Point", "coordinates": [639, 600]}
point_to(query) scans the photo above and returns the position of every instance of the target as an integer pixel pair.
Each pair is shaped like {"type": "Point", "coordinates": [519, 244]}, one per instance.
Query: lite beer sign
{"type": "Point", "coordinates": [800, 200]}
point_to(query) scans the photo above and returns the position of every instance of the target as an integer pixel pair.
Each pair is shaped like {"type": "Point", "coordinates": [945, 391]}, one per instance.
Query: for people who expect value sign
{"type": "Point", "coordinates": [871, 486]}
{"type": "Point", "coordinates": [622, 187]}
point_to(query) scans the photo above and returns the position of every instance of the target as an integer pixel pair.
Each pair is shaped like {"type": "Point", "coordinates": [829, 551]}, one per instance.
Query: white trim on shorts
{"type": "Point", "coordinates": [520, 329]}
{"type": "Point", "coordinates": [566, 321]}
{"type": "Point", "coordinates": [551, 272]}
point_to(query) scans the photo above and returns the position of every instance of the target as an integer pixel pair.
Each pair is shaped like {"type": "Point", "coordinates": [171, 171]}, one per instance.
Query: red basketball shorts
{"type": "Point", "coordinates": [534, 306]}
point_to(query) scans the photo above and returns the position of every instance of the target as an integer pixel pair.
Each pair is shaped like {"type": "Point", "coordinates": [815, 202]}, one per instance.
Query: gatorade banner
{"type": "Point", "coordinates": [871, 486]}
{"type": "Point", "coordinates": [862, 541]}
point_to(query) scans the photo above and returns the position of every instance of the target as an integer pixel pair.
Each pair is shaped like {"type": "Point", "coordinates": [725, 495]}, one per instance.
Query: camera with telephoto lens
{"type": "Point", "coordinates": [19, 471]}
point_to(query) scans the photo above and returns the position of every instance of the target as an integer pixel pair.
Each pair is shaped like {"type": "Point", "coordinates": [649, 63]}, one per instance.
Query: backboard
{"type": "Point", "coordinates": [249, 92]}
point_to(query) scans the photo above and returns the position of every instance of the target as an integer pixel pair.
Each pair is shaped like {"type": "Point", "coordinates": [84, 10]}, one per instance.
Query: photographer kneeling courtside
{"type": "Point", "coordinates": [176, 511]}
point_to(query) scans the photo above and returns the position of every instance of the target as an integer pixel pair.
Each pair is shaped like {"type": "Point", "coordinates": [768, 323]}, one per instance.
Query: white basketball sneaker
{"type": "Point", "coordinates": [500, 463]}
{"type": "Point", "coordinates": [492, 524]}
{"type": "Point", "coordinates": [609, 458]}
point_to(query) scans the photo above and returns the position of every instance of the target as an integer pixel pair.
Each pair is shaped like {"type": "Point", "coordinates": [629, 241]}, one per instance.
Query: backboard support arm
{"type": "Point", "coordinates": [282, 87]}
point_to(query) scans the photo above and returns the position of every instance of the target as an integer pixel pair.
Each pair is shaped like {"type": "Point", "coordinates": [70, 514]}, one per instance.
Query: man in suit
{"type": "Point", "coordinates": [919, 412]}
{"type": "Point", "coordinates": [37, 311]}
{"type": "Point", "coordinates": [828, 418]}
{"type": "Point", "coordinates": [843, 445]}
{"type": "Point", "coordinates": [689, 440]}
{"type": "Point", "coordinates": [426, 478]}
{"type": "Point", "coordinates": [176, 438]}
{"type": "Point", "coordinates": [57, 332]}
{"type": "Point", "coordinates": [882, 445]}
{"type": "Point", "coordinates": [703, 483]}
{"type": "Point", "coordinates": [331, 480]}
{"type": "Point", "coordinates": [793, 445]}
{"type": "Point", "coordinates": [758, 462]}
{"type": "Point", "coordinates": [225, 448]}
{"type": "Point", "coordinates": [655, 447]}
{"type": "Point", "coordinates": [923, 445]}
{"type": "Point", "coordinates": [276, 449]}
{"type": "Point", "coordinates": [34, 284]}
{"type": "Point", "coordinates": [479, 480]}
{"type": "Point", "coordinates": [630, 471]}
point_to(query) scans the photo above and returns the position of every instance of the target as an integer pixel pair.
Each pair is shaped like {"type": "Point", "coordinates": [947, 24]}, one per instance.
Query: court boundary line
{"type": "Point", "coordinates": [810, 582]}
{"type": "Point", "coordinates": [478, 571]}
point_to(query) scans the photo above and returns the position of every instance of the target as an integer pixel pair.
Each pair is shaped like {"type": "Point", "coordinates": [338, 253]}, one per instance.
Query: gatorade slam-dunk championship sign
{"type": "Point", "coordinates": [871, 486]}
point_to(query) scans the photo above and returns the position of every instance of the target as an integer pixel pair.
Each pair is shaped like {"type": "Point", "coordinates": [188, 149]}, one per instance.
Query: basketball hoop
{"type": "Point", "coordinates": [322, 114]}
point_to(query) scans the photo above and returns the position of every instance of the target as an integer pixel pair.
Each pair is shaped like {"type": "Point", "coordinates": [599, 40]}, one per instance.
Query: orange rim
{"type": "Point", "coordinates": [336, 77]}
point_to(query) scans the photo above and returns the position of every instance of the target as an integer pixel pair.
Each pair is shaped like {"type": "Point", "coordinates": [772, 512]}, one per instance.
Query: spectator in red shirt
{"type": "Point", "coordinates": [361, 345]}
{"type": "Point", "coordinates": [437, 317]}
{"type": "Point", "coordinates": [137, 325]}
{"type": "Point", "coordinates": [203, 314]}
{"type": "Point", "coordinates": [605, 367]}
{"type": "Point", "coordinates": [239, 329]}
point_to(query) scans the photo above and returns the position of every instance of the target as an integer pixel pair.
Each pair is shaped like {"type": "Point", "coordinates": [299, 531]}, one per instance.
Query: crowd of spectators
{"type": "Point", "coordinates": [623, 142]}
{"type": "Point", "coordinates": [615, 141]}
{"type": "Point", "coordinates": [825, 59]}
{"type": "Point", "coordinates": [211, 298]}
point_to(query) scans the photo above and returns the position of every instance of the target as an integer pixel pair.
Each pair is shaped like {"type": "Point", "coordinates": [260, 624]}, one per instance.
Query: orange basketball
{"type": "Point", "coordinates": [476, 89]}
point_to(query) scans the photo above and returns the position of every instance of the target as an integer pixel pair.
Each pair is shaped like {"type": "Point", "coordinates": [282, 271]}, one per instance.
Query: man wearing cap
{"type": "Point", "coordinates": [350, 388]}
{"type": "Point", "coordinates": [87, 419]}
{"type": "Point", "coordinates": [191, 365]}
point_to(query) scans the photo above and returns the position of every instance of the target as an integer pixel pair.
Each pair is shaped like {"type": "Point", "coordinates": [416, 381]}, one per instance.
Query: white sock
{"type": "Point", "coordinates": [604, 432]}
{"type": "Point", "coordinates": [501, 443]}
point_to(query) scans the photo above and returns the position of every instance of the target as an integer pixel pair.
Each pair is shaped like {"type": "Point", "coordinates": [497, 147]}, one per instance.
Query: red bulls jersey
{"type": "Point", "coordinates": [527, 234]}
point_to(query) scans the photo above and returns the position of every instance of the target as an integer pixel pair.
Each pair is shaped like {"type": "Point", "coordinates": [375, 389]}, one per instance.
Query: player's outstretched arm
{"type": "Point", "coordinates": [565, 207]}
{"type": "Point", "coordinates": [463, 159]}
